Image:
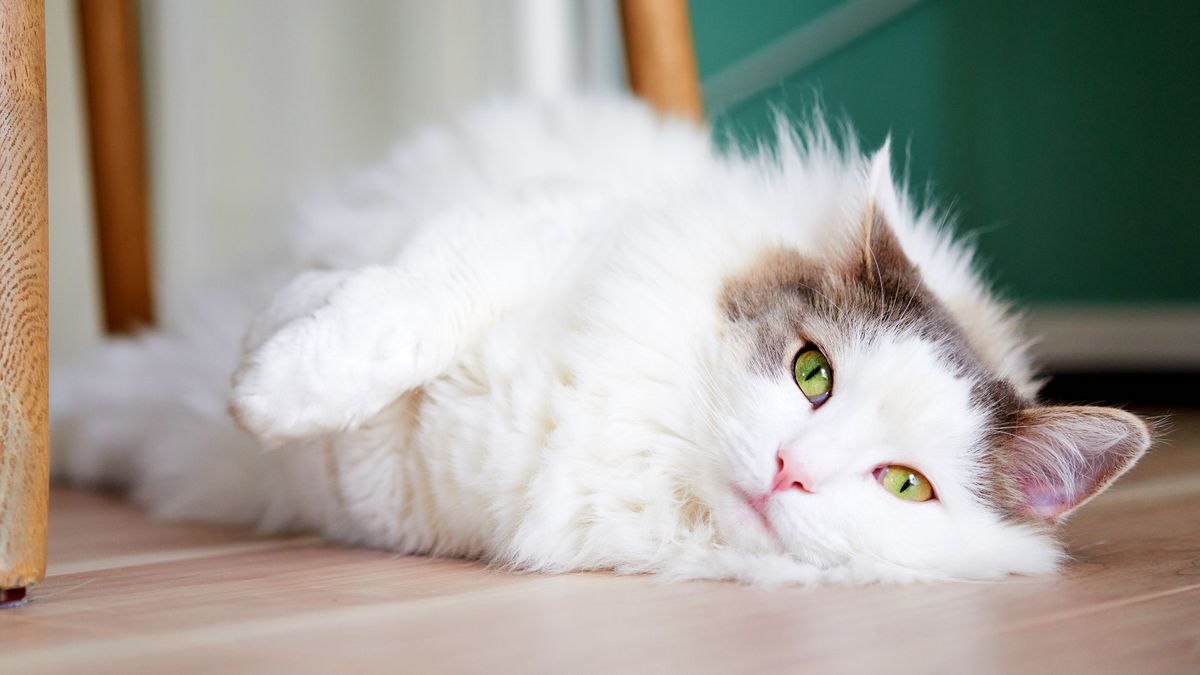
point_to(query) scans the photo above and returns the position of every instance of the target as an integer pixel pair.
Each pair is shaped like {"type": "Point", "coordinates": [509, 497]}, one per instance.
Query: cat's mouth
{"type": "Point", "coordinates": [758, 503]}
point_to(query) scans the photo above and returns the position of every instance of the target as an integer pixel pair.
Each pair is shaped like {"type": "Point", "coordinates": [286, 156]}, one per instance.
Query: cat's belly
{"type": "Point", "coordinates": [483, 467]}
{"type": "Point", "coordinates": [519, 454]}
{"type": "Point", "coordinates": [446, 470]}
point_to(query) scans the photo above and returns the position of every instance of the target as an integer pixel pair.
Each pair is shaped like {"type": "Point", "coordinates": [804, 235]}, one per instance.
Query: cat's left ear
{"type": "Point", "coordinates": [1060, 457]}
{"type": "Point", "coordinates": [881, 189]}
{"type": "Point", "coordinates": [879, 249]}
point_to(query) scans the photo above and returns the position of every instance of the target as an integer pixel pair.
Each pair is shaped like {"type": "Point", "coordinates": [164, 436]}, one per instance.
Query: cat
{"type": "Point", "coordinates": [577, 336]}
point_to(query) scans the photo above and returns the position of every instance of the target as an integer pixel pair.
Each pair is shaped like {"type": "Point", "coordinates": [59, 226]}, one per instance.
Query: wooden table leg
{"type": "Point", "coordinates": [108, 31]}
{"type": "Point", "coordinates": [660, 58]}
{"type": "Point", "coordinates": [24, 248]}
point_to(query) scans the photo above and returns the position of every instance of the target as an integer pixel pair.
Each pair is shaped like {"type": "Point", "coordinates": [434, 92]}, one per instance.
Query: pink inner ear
{"type": "Point", "coordinates": [1064, 456]}
{"type": "Point", "coordinates": [1045, 500]}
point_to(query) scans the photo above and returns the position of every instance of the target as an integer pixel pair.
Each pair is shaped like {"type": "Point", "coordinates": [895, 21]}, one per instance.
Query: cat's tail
{"type": "Point", "coordinates": [148, 415]}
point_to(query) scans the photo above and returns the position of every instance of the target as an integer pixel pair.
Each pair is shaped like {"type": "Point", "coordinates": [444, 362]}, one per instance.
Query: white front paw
{"type": "Point", "coordinates": [286, 388]}
{"type": "Point", "coordinates": [339, 365]}
{"type": "Point", "coordinates": [304, 295]}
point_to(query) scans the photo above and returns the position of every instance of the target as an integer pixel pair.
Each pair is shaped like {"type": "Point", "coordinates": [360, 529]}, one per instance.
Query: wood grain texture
{"type": "Point", "coordinates": [125, 594]}
{"type": "Point", "coordinates": [109, 32]}
{"type": "Point", "coordinates": [24, 440]}
{"type": "Point", "coordinates": [659, 56]}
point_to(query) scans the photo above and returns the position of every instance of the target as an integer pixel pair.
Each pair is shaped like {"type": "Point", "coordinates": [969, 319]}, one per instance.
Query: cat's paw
{"type": "Point", "coordinates": [339, 364]}
{"type": "Point", "coordinates": [304, 295]}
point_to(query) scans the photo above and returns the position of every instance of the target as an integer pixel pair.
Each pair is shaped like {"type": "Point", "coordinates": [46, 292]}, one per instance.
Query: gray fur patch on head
{"type": "Point", "coordinates": [785, 300]}
{"type": "Point", "coordinates": [785, 296]}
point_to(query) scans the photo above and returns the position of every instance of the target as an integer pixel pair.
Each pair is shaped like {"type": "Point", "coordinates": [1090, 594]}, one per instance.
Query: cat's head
{"type": "Point", "coordinates": [861, 424]}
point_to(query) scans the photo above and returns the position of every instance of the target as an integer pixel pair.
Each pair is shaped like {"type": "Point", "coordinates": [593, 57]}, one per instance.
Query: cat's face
{"type": "Point", "coordinates": [856, 427]}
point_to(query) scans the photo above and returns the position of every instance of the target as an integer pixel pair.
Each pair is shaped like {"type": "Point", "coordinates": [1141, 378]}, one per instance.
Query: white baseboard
{"type": "Point", "coordinates": [1116, 338]}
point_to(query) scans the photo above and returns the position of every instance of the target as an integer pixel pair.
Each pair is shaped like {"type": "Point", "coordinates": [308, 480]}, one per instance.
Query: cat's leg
{"type": "Point", "coordinates": [339, 347]}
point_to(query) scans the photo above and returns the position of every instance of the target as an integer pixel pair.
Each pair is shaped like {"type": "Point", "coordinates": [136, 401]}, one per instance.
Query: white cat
{"type": "Point", "coordinates": [576, 336]}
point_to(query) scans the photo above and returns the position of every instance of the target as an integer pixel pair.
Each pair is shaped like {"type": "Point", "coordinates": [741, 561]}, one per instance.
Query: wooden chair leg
{"type": "Point", "coordinates": [24, 250]}
{"type": "Point", "coordinates": [109, 38]}
{"type": "Point", "coordinates": [660, 57]}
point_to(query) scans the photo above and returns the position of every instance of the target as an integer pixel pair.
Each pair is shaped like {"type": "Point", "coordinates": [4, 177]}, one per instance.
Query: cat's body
{"type": "Point", "coordinates": [562, 337]}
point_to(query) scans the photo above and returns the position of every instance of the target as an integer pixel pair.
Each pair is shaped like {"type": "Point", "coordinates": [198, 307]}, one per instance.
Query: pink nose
{"type": "Point", "coordinates": [790, 474]}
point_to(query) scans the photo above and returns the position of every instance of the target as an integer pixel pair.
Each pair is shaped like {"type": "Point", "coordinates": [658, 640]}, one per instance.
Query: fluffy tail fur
{"type": "Point", "coordinates": [148, 414]}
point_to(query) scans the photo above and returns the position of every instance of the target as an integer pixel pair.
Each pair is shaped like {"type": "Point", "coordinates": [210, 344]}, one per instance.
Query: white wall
{"type": "Point", "coordinates": [251, 104]}
{"type": "Point", "coordinates": [74, 294]}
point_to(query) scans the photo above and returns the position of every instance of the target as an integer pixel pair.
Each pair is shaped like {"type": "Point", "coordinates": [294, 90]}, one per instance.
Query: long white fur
{"type": "Point", "coordinates": [505, 342]}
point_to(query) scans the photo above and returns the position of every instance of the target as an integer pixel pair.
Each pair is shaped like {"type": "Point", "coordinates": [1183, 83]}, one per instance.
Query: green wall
{"type": "Point", "coordinates": [1063, 132]}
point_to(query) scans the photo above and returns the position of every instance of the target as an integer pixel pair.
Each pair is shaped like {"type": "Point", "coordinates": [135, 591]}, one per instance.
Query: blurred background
{"type": "Point", "coordinates": [1061, 133]}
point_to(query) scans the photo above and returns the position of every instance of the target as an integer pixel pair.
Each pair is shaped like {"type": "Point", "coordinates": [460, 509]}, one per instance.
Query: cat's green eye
{"type": "Point", "coordinates": [814, 375]}
{"type": "Point", "coordinates": [905, 482]}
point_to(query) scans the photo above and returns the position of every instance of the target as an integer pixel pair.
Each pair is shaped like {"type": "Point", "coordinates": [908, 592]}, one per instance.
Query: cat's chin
{"type": "Point", "coordinates": [874, 571]}
{"type": "Point", "coordinates": [1012, 553]}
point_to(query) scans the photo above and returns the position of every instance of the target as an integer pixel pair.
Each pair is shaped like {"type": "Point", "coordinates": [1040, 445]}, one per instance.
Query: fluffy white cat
{"type": "Point", "coordinates": [576, 336]}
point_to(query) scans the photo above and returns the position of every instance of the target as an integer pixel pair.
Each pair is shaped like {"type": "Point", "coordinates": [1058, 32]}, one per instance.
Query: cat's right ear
{"type": "Point", "coordinates": [1060, 457]}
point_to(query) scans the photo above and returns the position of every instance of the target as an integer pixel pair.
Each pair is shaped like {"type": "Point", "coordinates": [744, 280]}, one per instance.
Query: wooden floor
{"type": "Point", "coordinates": [127, 595]}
